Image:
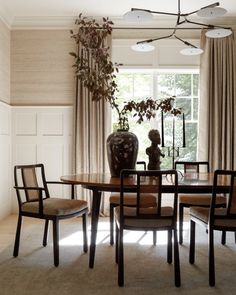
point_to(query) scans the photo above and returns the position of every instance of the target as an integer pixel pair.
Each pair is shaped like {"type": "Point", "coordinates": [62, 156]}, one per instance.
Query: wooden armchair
{"type": "Point", "coordinates": [153, 218]}
{"type": "Point", "coordinates": [214, 218]}
{"type": "Point", "coordinates": [191, 200]}
{"type": "Point", "coordinates": [34, 201]}
{"type": "Point", "coordinates": [129, 200]}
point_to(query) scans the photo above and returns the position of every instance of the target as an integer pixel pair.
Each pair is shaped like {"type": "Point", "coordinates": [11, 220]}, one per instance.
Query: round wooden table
{"type": "Point", "coordinates": [99, 182]}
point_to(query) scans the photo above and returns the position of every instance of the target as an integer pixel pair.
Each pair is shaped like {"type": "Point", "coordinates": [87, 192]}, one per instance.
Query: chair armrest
{"type": "Point", "coordinates": [30, 188]}
{"type": "Point", "coordinates": [40, 200]}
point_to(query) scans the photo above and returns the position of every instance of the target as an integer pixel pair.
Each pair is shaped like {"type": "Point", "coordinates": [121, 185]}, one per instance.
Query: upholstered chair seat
{"type": "Point", "coordinates": [55, 206]}
{"type": "Point", "coordinates": [130, 199]}
{"type": "Point", "coordinates": [196, 200]}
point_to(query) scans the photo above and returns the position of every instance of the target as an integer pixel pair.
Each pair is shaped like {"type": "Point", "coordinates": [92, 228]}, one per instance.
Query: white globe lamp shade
{"type": "Point", "coordinates": [137, 16]}
{"type": "Point", "coordinates": [218, 33]}
{"type": "Point", "coordinates": [191, 51]}
{"type": "Point", "coordinates": [211, 12]}
{"type": "Point", "coordinates": [143, 47]}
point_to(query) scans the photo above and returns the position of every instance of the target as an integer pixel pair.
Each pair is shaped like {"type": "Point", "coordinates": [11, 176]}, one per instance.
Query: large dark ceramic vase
{"type": "Point", "coordinates": [122, 151]}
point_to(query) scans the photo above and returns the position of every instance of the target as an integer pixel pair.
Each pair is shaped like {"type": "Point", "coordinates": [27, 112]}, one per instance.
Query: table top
{"type": "Point", "coordinates": [188, 182]}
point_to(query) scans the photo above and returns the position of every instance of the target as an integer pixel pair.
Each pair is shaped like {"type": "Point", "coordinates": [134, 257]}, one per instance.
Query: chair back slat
{"type": "Point", "coordinates": [226, 178]}
{"type": "Point", "coordinates": [232, 197]}
{"type": "Point", "coordinates": [141, 165]}
{"type": "Point", "coordinates": [30, 180]}
{"type": "Point", "coordinates": [149, 182]}
{"type": "Point", "coordinates": [30, 176]}
{"type": "Point", "coordinates": [193, 166]}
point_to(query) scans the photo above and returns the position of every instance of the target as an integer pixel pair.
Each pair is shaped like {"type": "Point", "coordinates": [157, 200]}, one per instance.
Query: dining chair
{"type": "Point", "coordinates": [157, 217]}
{"type": "Point", "coordinates": [191, 200]}
{"type": "Point", "coordinates": [35, 201]}
{"type": "Point", "coordinates": [213, 218]}
{"type": "Point", "coordinates": [129, 200]}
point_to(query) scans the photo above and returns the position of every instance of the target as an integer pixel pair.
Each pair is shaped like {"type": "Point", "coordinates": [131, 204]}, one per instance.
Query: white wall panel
{"type": "Point", "coordinates": [26, 123]}
{"type": "Point", "coordinates": [48, 140]}
{"type": "Point", "coordinates": [52, 124]}
{"type": "Point", "coordinates": [5, 161]}
{"type": "Point", "coordinates": [52, 157]}
{"type": "Point", "coordinates": [4, 120]}
{"type": "Point", "coordinates": [25, 153]}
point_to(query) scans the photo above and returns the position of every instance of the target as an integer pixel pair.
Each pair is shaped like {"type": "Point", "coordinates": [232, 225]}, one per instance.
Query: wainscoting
{"type": "Point", "coordinates": [5, 160]}
{"type": "Point", "coordinates": [34, 135]}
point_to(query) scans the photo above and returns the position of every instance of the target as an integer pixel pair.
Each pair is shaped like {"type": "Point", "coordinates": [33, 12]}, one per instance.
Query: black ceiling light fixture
{"type": "Point", "coordinates": [214, 31]}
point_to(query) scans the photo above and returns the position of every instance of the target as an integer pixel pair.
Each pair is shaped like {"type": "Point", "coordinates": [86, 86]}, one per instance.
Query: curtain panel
{"type": "Point", "coordinates": [217, 108]}
{"type": "Point", "coordinates": [92, 125]}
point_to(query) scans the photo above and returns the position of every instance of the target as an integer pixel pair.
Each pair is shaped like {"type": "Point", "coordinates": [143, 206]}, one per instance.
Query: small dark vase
{"type": "Point", "coordinates": [122, 151]}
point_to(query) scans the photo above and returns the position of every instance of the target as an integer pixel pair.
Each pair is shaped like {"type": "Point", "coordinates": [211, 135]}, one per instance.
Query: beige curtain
{"type": "Point", "coordinates": [217, 108]}
{"type": "Point", "coordinates": [92, 125]}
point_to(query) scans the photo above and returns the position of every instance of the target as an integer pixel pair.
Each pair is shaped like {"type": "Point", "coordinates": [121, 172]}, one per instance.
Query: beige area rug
{"type": "Point", "coordinates": [146, 269]}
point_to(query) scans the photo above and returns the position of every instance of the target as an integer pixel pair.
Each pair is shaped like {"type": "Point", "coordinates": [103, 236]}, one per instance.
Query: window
{"type": "Point", "coordinates": [160, 84]}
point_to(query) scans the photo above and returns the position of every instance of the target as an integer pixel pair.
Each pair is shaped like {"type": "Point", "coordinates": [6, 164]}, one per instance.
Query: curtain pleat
{"type": "Point", "coordinates": [217, 102]}
{"type": "Point", "coordinates": [92, 125]}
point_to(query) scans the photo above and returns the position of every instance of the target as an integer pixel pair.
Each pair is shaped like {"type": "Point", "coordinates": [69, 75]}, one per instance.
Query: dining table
{"type": "Point", "coordinates": [102, 182]}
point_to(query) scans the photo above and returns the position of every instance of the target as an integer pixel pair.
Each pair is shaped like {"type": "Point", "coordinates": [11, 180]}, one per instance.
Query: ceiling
{"type": "Point", "coordinates": [14, 12]}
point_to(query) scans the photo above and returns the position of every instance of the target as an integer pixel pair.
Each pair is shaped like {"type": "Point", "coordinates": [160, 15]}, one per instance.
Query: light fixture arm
{"type": "Point", "coordinates": [204, 25]}
{"type": "Point", "coordinates": [155, 39]}
{"type": "Point", "coordinates": [185, 42]}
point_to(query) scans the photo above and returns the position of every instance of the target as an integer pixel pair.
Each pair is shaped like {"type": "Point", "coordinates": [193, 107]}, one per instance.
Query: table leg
{"type": "Point", "coordinates": [94, 225]}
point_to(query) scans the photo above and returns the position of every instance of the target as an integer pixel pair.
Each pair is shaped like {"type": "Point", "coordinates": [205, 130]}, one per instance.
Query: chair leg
{"type": "Point", "coordinates": [56, 241]}
{"type": "Point", "coordinates": [117, 234]}
{"type": "Point", "coordinates": [154, 238]}
{"type": "Point", "coordinates": [181, 220]}
{"type": "Point", "coordinates": [169, 246]}
{"type": "Point", "coordinates": [111, 224]}
{"type": "Point", "coordinates": [85, 237]}
{"type": "Point", "coordinates": [17, 238]}
{"type": "Point", "coordinates": [192, 242]}
{"type": "Point", "coordinates": [45, 234]}
{"type": "Point", "coordinates": [120, 259]}
{"type": "Point", "coordinates": [235, 236]}
{"type": "Point", "coordinates": [176, 260]}
{"type": "Point", "coordinates": [223, 237]}
{"type": "Point", "coordinates": [211, 258]}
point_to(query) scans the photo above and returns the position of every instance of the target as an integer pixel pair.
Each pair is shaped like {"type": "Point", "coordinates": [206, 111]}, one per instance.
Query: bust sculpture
{"type": "Point", "coordinates": [154, 152]}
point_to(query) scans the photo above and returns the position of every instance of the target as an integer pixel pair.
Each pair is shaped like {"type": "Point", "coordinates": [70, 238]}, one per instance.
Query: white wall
{"type": "Point", "coordinates": [5, 160]}
{"type": "Point", "coordinates": [43, 135]}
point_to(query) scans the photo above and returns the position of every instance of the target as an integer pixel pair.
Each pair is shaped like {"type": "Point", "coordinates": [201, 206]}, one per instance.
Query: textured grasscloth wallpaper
{"type": "Point", "coordinates": [4, 63]}
{"type": "Point", "coordinates": [41, 72]}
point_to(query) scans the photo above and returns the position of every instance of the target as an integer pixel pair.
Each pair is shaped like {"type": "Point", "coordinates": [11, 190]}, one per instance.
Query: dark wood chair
{"type": "Point", "coordinates": [213, 218]}
{"type": "Point", "coordinates": [129, 200]}
{"type": "Point", "coordinates": [153, 218]}
{"type": "Point", "coordinates": [191, 200]}
{"type": "Point", "coordinates": [34, 201]}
